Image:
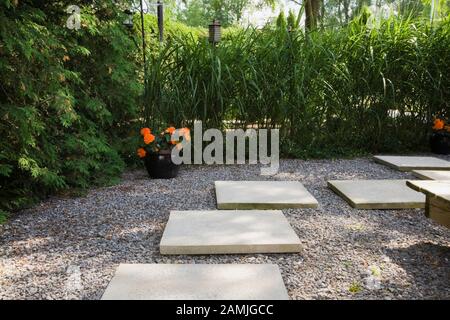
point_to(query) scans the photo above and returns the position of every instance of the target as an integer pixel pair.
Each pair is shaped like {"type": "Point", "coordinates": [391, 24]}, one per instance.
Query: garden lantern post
{"type": "Point", "coordinates": [215, 32]}
{"type": "Point", "coordinates": [128, 22]}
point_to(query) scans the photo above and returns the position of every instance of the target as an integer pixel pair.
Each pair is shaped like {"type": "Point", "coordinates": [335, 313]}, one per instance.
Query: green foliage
{"type": "Point", "coordinates": [195, 14]}
{"type": "Point", "coordinates": [3, 216]}
{"type": "Point", "coordinates": [281, 21]}
{"type": "Point", "coordinates": [68, 99]}
{"type": "Point", "coordinates": [292, 21]}
{"type": "Point", "coordinates": [172, 29]}
{"type": "Point", "coordinates": [350, 91]}
{"type": "Point", "coordinates": [200, 13]}
{"type": "Point", "coordinates": [355, 287]}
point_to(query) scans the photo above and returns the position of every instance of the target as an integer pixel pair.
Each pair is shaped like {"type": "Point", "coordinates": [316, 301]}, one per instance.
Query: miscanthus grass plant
{"type": "Point", "coordinates": [338, 91]}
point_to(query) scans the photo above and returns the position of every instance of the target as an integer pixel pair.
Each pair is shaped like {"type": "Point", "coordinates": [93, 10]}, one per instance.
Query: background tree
{"type": "Point", "coordinates": [194, 14]}
{"type": "Point", "coordinates": [312, 9]}
{"type": "Point", "coordinates": [292, 21]}
{"type": "Point", "coordinates": [281, 21]}
{"type": "Point", "coordinates": [230, 12]}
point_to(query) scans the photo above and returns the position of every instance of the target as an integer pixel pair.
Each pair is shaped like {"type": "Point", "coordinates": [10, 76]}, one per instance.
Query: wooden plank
{"type": "Point", "coordinates": [437, 189]}
{"type": "Point", "coordinates": [439, 211]}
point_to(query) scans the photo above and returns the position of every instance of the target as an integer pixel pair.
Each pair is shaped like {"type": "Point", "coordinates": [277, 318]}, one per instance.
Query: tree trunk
{"type": "Point", "coordinates": [312, 10]}
{"type": "Point", "coordinates": [346, 10]}
{"type": "Point", "coordinates": [322, 12]}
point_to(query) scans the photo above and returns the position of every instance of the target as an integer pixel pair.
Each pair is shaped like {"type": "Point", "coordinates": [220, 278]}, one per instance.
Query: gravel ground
{"type": "Point", "coordinates": [68, 248]}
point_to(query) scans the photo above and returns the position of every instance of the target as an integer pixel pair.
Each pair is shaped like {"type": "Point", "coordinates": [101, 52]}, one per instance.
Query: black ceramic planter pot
{"type": "Point", "coordinates": [160, 166]}
{"type": "Point", "coordinates": [440, 143]}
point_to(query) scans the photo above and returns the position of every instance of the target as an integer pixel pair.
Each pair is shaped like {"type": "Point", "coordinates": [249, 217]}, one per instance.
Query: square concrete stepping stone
{"type": "Point", "coordinates": [438, 199]}
{"type": "Point", "coordinates": [432, 174]}
{"type": "Point", "coordinates": [228, 232]}
{"type": "Point", "coordinates": [263, 195]}
{"type": "Point", "coordinates": [378, 194]}
{"type": "Point", "coordinates": [406, 163]}
{"type": "Point", "coordinates": [196, 282]}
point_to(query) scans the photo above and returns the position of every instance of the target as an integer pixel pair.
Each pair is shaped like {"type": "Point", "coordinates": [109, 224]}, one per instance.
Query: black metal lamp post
{"type": "Point", "coordinates": [128, 22]}
{"type": "Point", "coordinates": [160, 13]}
{"type": "Point", "coordinates": [144, 47]}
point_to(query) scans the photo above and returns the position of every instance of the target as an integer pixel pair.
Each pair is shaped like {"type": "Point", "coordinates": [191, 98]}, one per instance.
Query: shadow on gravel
{"type": "Point", "coordinates": [428, 264]}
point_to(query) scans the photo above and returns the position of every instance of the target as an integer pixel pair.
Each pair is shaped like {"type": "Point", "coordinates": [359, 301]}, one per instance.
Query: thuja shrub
{"type": "Point", "coordinates": [68, 98]}
{"type": "Point", "coordinates": [333, 92]}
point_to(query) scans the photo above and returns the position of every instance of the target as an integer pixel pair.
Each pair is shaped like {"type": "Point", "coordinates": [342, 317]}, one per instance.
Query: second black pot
{"type": "Point", "coordinates": [440, 143]}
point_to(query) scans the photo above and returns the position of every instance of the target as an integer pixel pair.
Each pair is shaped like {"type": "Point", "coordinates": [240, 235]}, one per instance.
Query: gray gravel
{"type": "Point", "coordinates": [68, 248]}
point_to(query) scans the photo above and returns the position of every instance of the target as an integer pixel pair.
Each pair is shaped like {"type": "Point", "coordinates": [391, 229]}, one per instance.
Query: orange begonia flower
{"type": "Point", "coordinates": [141, 153]}
{"type": "Point", "coordinates": [145, 131]}
{"type": "Point", "coordinates": [170, 130]}
{"type": "Point", "coordinates": [186, 133]}
{"type": "Point", "coordinates": [149, 138]}
{"type": "Point", "coordinates": [438, 124]}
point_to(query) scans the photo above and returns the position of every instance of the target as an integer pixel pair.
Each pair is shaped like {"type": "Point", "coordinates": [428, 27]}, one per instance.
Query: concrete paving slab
{"type": "Point", "coordinates": [378, 194]}
{"type": "Point", "coordinates": [432, 174]}
{"type": "Point", "coordinates": [196, 282]}
{"type": "Point", "coordinates": [228, 232]}
{"type": "Point", "coordinates": [409, 163]}
{"type": "Point", "coordinates": [263, 195]}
